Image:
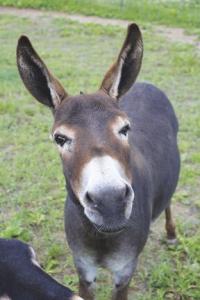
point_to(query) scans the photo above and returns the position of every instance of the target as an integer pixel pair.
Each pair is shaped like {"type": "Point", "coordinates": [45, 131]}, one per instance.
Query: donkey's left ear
{"type": "Point", "coordinates": [36, 76]}
{"type": "Point", "coordinates": [124, 71]}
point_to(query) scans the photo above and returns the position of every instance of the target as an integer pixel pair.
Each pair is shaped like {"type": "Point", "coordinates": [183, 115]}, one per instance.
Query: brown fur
{"type": "Point", "coordinates": [94, 136]}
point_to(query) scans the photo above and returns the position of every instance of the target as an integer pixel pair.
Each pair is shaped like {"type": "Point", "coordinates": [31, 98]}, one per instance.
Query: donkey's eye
{"type": "Point", "coordinates": [61, 139]}
{"type": "Point", "coordinates": [124, 131]}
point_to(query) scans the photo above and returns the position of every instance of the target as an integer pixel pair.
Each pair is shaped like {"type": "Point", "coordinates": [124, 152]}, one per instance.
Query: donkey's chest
{"type": "Point", "coordinates": [110, 253]}
{"type": "Point", "coordinates": [120, 261]}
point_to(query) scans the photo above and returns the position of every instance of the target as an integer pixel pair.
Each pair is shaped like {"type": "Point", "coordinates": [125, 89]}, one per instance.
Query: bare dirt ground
{"type": "Point", "coordinates": [171, 34]}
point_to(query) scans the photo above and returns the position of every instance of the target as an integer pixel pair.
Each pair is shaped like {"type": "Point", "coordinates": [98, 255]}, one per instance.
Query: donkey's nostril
{"type": "Point", "coordinates": [90, 200]}
{"type": "Point", "coordinates": [127, 191]}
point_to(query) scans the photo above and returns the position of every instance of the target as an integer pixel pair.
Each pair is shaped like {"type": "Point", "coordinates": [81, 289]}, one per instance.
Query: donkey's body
{"type": "Point", "coordinates": [155, 169]}
{"type": "Point", "coordinates": [154, 145]}
{"type": "Point", "coordinates": [118, 179]}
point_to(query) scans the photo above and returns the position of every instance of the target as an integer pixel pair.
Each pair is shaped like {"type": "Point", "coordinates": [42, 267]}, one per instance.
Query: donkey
{"type": "Point", "coordinates": [120, 159]}
{"type": "Point", "coordinates": [21, 277]}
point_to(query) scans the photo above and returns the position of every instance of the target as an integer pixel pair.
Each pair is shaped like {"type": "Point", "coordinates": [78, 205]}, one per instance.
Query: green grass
{"type": "Point", "coordinates": [31, 182]}
{"type": "Point", "coordinates": [177, 13]}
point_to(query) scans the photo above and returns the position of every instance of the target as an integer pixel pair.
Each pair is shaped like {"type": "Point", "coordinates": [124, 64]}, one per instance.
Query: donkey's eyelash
{"type": "Point", "coordinates": [61, 139]}
{"type": "Point", "coordinates": [125, 129]}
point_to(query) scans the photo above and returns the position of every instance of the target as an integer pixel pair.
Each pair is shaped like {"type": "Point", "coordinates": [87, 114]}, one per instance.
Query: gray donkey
{"type": "Point", "coordinates": [120, 159]}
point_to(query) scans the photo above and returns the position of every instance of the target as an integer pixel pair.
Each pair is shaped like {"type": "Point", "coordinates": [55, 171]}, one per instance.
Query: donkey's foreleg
{"type": "Point", "coordinates": [122, 278]}
{"type": "Point", "coordinates": [86, 289]}
{"type": "Point", "coordinates": [86, 269]}
{"type": "Point", "coordinates": [120, 293]}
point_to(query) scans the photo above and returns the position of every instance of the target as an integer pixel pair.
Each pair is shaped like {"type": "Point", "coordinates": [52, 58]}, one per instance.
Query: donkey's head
{"type": "Point", "coordinates": [91, 132]}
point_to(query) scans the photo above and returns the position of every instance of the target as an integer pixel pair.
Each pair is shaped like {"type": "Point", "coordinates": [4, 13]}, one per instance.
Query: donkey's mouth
{"type": "Point", "coordinates": [110, 229]}
{"type": "Point", "coordinates": [106, 224]}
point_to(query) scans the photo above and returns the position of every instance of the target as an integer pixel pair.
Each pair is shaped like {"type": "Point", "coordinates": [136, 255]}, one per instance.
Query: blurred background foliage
{"type": "Point", "coordinates": [183, 13]}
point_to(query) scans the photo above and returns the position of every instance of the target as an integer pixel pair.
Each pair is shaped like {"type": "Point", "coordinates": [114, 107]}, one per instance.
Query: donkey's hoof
{"type": "Point", "coordinates": [77, 298]}
{"type": "Point", "coordinates": [172, 242]}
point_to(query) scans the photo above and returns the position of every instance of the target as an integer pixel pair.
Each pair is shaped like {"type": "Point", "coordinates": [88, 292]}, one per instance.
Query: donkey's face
{"type": "Point", "coordinates": [92, 137]}
{"type": "Point", "coordinates": [91, 132]}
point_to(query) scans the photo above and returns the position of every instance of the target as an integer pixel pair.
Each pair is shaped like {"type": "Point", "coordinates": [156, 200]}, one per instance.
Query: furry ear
{"type": "Point", "coordinates": [36, 77]}
{"type": "Point", "coordinates": [124, 71]}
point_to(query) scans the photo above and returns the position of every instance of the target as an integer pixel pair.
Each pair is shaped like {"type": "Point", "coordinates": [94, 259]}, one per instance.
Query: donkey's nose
{"type": "Point", "coordinates": [114, 197]}
{"type": "Point", "coordinates": [91, 199]}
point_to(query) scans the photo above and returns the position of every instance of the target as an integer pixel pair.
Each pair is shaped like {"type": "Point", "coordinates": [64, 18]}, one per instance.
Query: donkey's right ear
{"type": "Point", "coordinates": [36, 77]}
{"type": "Point", "coordinates": [121, 76]}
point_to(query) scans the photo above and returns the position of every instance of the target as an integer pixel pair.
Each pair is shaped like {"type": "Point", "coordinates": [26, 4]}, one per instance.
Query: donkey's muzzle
{"type": "Point", "coordinates": [110, 208]}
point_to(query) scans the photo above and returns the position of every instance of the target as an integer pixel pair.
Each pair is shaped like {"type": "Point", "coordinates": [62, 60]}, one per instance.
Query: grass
{"type": "Point", "coordinates": [177, 13]}
{"type": "Point", "coordinates": [31, 181]}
